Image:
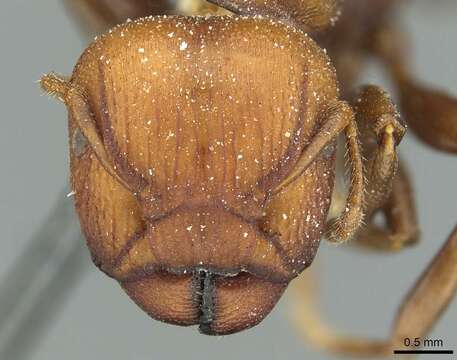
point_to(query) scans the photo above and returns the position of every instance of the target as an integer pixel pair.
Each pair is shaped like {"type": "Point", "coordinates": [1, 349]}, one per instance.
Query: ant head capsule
{"type": "Point", "coordinates": [189, 139]}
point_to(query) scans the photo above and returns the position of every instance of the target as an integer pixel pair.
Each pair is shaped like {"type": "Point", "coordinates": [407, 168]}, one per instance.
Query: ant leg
{"type": "Point", "coordinates": [401, 228]}
{"type": "Point", "coordinates": [430, 296]}
{"type": "Point", "coordinates": [307, 317]}
{"type": "Point", "coordinates": [419, 312]}
{"type": "Point", "coordinates": [381, 131]}
{"type": "Point", "coordinates": [430, 113]}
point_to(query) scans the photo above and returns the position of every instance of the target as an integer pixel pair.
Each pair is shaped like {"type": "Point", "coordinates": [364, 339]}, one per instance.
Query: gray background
{"type": "Point", "coordinates": [359, 291]}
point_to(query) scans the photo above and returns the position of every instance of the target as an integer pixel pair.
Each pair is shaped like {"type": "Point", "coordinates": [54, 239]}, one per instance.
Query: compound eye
{"type": "Point", "coordinates": [79, 143]}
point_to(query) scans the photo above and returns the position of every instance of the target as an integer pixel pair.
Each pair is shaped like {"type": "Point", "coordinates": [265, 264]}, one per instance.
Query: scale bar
{"type": "Point", "coordinates": [444, 352]}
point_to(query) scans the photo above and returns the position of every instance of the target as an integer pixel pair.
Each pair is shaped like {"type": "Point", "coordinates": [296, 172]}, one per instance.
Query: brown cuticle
{"type": "Point", "coordinates": [207, 177]}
